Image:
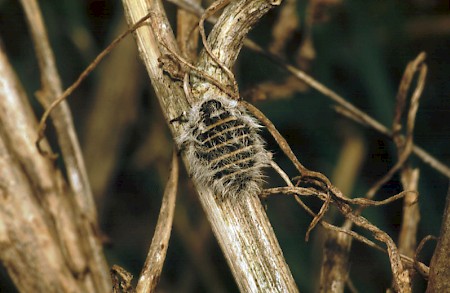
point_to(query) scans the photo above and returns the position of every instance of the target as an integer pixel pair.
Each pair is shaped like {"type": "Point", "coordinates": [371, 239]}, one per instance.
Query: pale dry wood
{"type": "Point", "coordinates": [194, 239]}
{"type": "Point", "coordinates": [404, 143]}
{"type": "Point", "coordinates": [335, 266]}
{"type": "Point", "coordinates": [187, 32]}
{"type": "Point", "coordinates": [156, 256]}
{"type": "Point", "coordinates": [335, 263]}
{"type": "Point", "coordinates": [62, 118]}
{"type": "Point", "coordinates": [407, 240]}
{"type": "Point", "coordinates": [409, 176]}
{"type": "Point", "coordinates": [121, 280]}
{"type": "Point", "coordinates": [242, 229]}
{"type": "Point", "coordinates": [28, 250]}
{"type": "Point", "coordinates": [439, 278]}
{"type": "Point", "coordinates": [41, 246]}
{"type": "Point", "coordinates": [83, 205]}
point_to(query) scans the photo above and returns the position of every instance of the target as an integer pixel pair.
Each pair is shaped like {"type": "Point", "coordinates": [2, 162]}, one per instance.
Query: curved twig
{"type": "Point", "coordinates": [43, 122]}
{"type": "Point", "coordinates": [156, 255]}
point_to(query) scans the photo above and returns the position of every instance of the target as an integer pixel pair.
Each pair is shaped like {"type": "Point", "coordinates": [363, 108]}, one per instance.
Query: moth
{"type": "Point", "coordinates": [224, 148]}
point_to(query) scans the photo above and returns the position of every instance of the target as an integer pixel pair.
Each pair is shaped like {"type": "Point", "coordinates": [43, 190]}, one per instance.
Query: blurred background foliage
{"type": "Point", "coordinates": [357, 48]}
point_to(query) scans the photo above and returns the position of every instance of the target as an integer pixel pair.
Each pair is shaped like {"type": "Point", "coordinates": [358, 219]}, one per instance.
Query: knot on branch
{"type": "Point", "coordinates": [170, 65]}
{"type": "Point", "coordinates": [121, 280]}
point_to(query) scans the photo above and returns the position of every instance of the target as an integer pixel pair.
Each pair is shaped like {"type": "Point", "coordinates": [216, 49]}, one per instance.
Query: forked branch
{"type": "Point", "coordinates": [259, 266]}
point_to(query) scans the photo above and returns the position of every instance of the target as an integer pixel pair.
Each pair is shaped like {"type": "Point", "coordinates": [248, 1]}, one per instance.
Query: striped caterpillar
{"type": "Point", "coordinates": [223, 147]}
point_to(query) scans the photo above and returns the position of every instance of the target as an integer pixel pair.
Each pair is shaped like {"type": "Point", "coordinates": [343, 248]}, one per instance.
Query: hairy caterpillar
{"type": "Point", "coordinates": [223, 147]}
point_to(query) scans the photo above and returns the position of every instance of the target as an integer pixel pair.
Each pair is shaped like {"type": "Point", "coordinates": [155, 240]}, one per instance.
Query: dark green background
{"type": "Point", "coordinates": [361, 52]}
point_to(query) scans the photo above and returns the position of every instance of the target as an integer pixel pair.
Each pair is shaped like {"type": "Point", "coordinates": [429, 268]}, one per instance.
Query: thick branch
{"type": "Point", "coordinates": [243, 230]}
{"type": "Point", "coordinates": [227, 38]}
{"type": "Point", "coordinates": [40, 243]}
{"type": "Point", "coordinates": [83, 205]}
{"type": "Point", "coordinates": [439, 280]}
{"type": "Point", "coordinates": [62, 118]}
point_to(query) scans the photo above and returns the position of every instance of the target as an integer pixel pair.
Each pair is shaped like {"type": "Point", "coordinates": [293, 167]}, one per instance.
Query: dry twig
{"type": "Point", "coordinates": [323, 188]}
{"type": "Point", "coordinates": [61, 97]}
{"type": "Point", "coordinates": [151, 271]}
{"type": "Point", "coordinates": [60, 250]}
{"type": "Point", "coordinates": [121, 280]}
{"type": "Point", "coordinates": [344, 107]}
{"type": "Point", "coordinates": [295, 191]}
{"type": "Point", "coordinates": [349, 110]}
{"type": "Point", "coordinates": [405, 146]}
{"type": "Point", "coordinates": [260, 265]}
{"type": "Point", "coordinates": [419, 248]}
{"type": "Point", "coordinates": [42, 234]}
{"type": "Point", "coordinates": [409, 176]}
{"type": "Point", "coordinates": [318, 180]}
